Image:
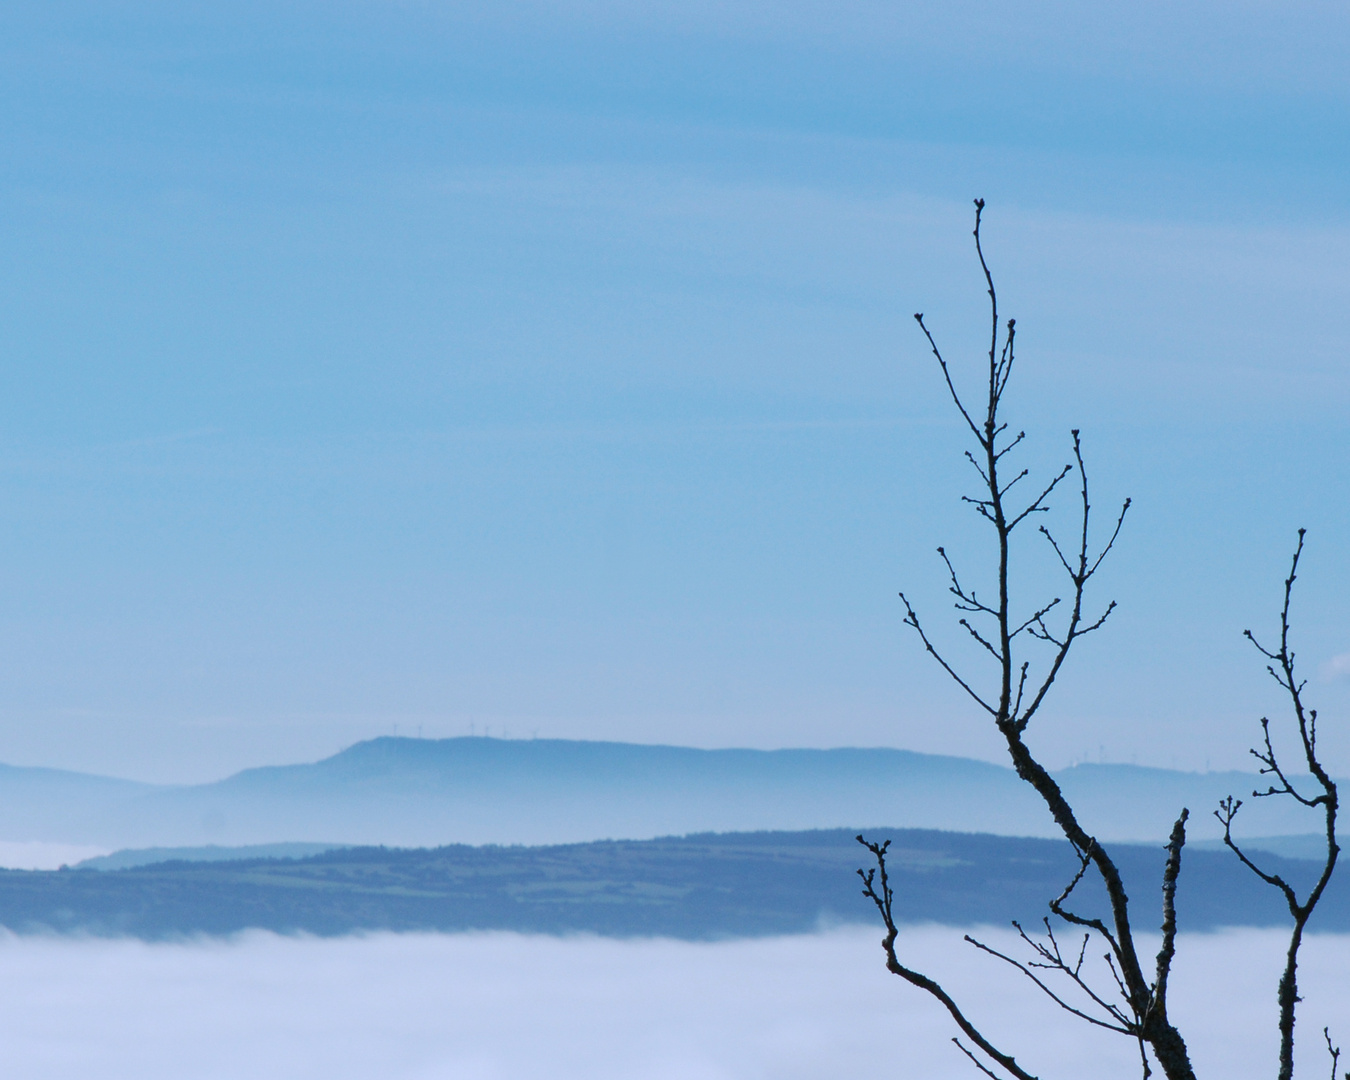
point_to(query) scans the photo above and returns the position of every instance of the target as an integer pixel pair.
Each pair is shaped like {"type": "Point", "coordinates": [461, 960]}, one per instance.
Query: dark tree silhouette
{"type": "Point", "coordinates": [1281, 668]}
{"type": "Point", "coordinates": [1028, 650]}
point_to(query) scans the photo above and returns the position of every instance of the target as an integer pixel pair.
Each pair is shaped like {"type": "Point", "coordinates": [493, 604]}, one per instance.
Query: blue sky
{"type": "Point", "coordinates": [550, 367]}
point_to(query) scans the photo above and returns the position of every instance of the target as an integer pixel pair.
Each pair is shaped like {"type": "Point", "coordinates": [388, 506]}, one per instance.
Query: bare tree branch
{"type": "Point", "coordinates": [1169, 924]}
{"type": "Point", "coordinates": [918, 318]}
{"type": "Point", "coordinates": [1039, 505]}
{"type": "Point", "coordinates": [883, 899]}
{"type": "Point", "coordinates": [980, 1064]}
{"type": "Point", "coordinates": [967, 599]}
{"type": "Point", "coordinates": [913, 620]}
{"type": "Point", "coordinates": [1121, 1025]}
{"type": "Point", "coordinates": [1019, 695]}
{"type": "Point", "coordinates": [1281, 668]}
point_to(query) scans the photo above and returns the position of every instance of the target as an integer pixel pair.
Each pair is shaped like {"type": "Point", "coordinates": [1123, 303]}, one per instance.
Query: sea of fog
{"type": "Point", "coordinates": [397, 1007]}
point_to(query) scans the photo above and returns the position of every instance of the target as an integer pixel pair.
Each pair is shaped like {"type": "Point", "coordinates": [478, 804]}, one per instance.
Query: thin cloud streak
{"type": "Point", "coordinates": [504, 1006]}
{"type": "Point", "coordinates": [1337, 669]}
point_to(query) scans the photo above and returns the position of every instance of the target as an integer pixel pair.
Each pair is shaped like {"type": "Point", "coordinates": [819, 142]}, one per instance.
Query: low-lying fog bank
{"type": "Point", "coordinates": [498, 1006]}
{"type": "Point", "coordinates": [45, 855]}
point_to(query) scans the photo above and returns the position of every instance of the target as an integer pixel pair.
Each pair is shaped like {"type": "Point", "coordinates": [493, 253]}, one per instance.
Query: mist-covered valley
{"type": "Point", "coordinates": [519, 1007]}
{"type": "Point", "coordinates": [716, 955]}
{"type": "Point", "coordinates": [548, 366]}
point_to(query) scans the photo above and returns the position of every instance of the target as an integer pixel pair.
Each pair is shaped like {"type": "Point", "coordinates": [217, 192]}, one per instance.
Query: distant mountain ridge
{"type": "Point", "coordinates": [475, 790]}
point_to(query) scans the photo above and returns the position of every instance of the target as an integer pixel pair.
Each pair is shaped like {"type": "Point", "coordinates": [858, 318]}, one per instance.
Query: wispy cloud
{"type": "Point", "coordinates": [1337, 668]}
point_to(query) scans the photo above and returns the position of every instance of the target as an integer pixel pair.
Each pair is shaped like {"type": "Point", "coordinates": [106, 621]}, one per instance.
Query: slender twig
{"type": "Point", "coordinates": [1121, 1024]}
{"type": "Point", "coordinates": [912, 618]}
{"type": "Point", "coordinates": [980, 1064]}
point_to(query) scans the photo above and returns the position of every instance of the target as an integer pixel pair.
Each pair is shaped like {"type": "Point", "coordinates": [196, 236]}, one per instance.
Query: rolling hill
{"type": "Point", "coordinates": [702, 886]}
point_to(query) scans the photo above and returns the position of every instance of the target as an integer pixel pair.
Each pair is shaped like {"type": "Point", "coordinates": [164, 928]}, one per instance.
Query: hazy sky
{"type": "Point", "coordinates": [509, 1007]}
{"type": "Point", "coordinates": [548, 367]}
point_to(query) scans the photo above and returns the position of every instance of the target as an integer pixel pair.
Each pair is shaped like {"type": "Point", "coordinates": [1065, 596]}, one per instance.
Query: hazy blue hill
{"type": "Point", "coordinates": [416, 793]}
{"type": "Point", "coordinates": [1307, 846]}
{"type": "Point", "coordinates": [34, 779]}
{"type": "Point", "coordinates": [129, 857]}
{"type": "Point", "coordinates": [479, 790]}
{"type": "Point", "coordinates": [448, 765]}
{"type": "Point", "coordinates": [701, 886]}
{"type": "Point", "coordinates": [1150, 783]}
{"type": "Point", "coordinates": [54, 804]}
{"type": "Point", "coordinates": [1102, 794]}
